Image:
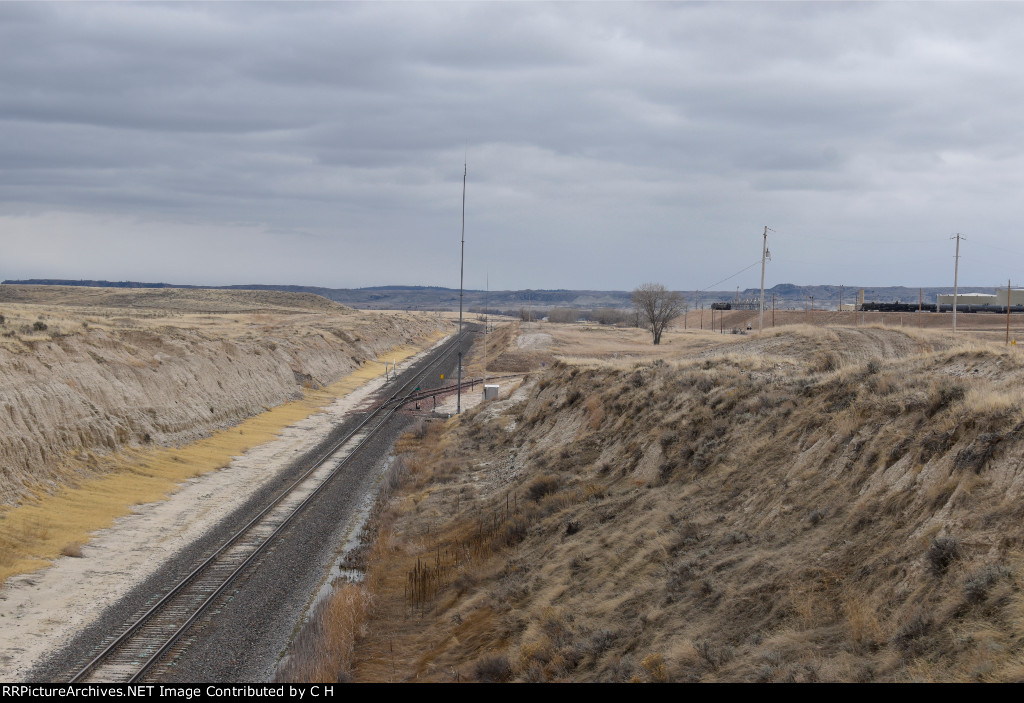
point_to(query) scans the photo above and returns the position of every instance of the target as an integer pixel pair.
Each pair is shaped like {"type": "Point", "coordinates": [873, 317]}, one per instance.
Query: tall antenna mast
{"type": "Point", "coordinates": [462, 259]}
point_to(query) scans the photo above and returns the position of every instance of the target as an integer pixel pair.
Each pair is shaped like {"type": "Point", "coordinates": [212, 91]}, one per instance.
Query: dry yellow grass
{"type": "Point", "coordinates": [337, 624]}
{"type": "Point", "coordinates": [69, 311]}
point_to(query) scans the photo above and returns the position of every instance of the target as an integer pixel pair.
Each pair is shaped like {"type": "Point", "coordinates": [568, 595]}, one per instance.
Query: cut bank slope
{"type": "Point", "coordinates": [814, 505]}
{"type": "Point", "coordinates": [85, 372]}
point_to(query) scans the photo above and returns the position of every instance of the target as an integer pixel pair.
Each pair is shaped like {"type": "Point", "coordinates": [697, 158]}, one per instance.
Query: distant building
{"type": "Point", "coordinates": [972, 299]}
{"type": "Point", "coordinates": [1016, 296]}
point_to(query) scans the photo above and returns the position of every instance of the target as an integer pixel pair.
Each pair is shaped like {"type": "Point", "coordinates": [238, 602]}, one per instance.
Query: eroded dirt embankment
{"type": "Point", "coordinates": [820, 506]}
{"type": "Point", "coordinates": [90, 378]}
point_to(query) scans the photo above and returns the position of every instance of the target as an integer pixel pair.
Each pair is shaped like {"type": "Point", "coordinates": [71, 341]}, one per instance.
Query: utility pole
{"type": "Point", "coordinates": [462, 260]}
{"type": "Point", "coordinates": [487, 295]}
{"type": "Point", "coordinates": [956, 271]}
{"type": "Point", "coordinates": [773, 309]}
{"type": "Point", "coordinates": [1007, 311]}
{"type": "Point", "coordinates": [764, 257]}
{"type": "Point", "coordinates": [920, 305]}
{"type": "Point", "coordinates": [840, 297]}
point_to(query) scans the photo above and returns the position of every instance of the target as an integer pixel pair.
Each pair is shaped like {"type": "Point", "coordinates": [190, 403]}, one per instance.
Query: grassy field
{"type": "Point", "coordinates": [991, 327]}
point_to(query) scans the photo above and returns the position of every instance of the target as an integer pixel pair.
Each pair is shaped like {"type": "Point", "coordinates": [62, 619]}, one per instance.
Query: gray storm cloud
{"type": "Point", "coordinates": [608, 144]}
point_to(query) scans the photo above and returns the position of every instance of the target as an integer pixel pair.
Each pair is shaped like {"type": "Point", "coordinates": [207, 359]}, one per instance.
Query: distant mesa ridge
{"type": "Point", "coordinates": [436, 297]}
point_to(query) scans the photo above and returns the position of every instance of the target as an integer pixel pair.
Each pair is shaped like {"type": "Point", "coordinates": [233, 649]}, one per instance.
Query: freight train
{"type": "Point", "coordinates": [932, 307]}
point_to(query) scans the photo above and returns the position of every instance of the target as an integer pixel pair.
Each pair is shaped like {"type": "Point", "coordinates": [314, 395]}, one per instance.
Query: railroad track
{"type": "Point", "coordinates": [471, 384]}
{"type": "Point", "coordinates": [149, 639]}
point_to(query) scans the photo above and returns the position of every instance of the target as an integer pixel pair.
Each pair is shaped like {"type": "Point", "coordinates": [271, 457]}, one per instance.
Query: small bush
{"type": "Point", "coordinates": [978, 454]}
{"type": "Point", "coordinates": [942, 553]}
{"type": "Point", "coordinates": [514, 531]}
{"type": "Point", "coordinates": [945, 396]}
{"type": "Point", "coordinates": [492, 669]}
{"type": "Point", "coordinates": [601, 641]}
{"type": "Point", "coordinates": [716, 656]}
{"type": "Point", "coordinates": [704, 384]}
{"type": "Point", "coordinates": [39, 326]}
{"type": "Point", "coordinates": [72, 550]}
{"type": "Point", "coordinates": [978, 584]}
{"type": "Point", "coordinates": [542, 486]}
{"type": "Point", "coordinates": [654, 665]}
{"type": "Point", "coordinates": [734, 538]}
{"type": "Point", "coordinates": [914, 629]}
{"type": "Point", "coordinates": [826, 361]}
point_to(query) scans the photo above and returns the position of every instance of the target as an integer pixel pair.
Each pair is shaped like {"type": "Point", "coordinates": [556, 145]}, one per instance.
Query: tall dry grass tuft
{"type": "Point", "coordinates": [323, 653]}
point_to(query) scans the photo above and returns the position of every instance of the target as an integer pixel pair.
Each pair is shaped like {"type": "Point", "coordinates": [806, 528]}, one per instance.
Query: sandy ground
{"type": "Point", "coordinates": [534, 340]}
{"type": "Point", "coordinates": [41, 610]}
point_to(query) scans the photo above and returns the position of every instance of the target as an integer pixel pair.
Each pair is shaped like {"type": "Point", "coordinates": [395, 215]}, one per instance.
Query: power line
{"type": "Point", "coordinates": [707, 288]}
{"type": "Point", "coordinates": [989, 246]}
{"type": "Point", "coordinates": [859, 241]}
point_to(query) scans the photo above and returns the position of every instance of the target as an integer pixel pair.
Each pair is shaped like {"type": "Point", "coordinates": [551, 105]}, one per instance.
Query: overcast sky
{"type": "Point", "coordinates": [607, 144]}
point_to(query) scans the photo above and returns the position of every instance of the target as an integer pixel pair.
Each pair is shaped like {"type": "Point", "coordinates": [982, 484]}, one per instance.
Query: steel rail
{"type": "Point", "coordinates": [121, 640]}
{"type": "Point", "coordinates": [442, 390]}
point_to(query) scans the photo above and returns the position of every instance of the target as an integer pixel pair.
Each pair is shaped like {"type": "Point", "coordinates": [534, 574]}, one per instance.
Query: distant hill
{"type": "Point", "coordinates": [787, 295]}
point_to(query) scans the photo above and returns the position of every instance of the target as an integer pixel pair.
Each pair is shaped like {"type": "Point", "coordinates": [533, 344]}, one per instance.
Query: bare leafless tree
{"type": "Point", "coordinates": [657, 306]}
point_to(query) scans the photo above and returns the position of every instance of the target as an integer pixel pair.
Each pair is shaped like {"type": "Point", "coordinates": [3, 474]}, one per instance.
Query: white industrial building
{"type": "Point", "coordinates": [1016, 296]}
{"type": "Point", "coordinates": [997, 298]}
{"type": "Point", "coordinates": [970, 299]}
